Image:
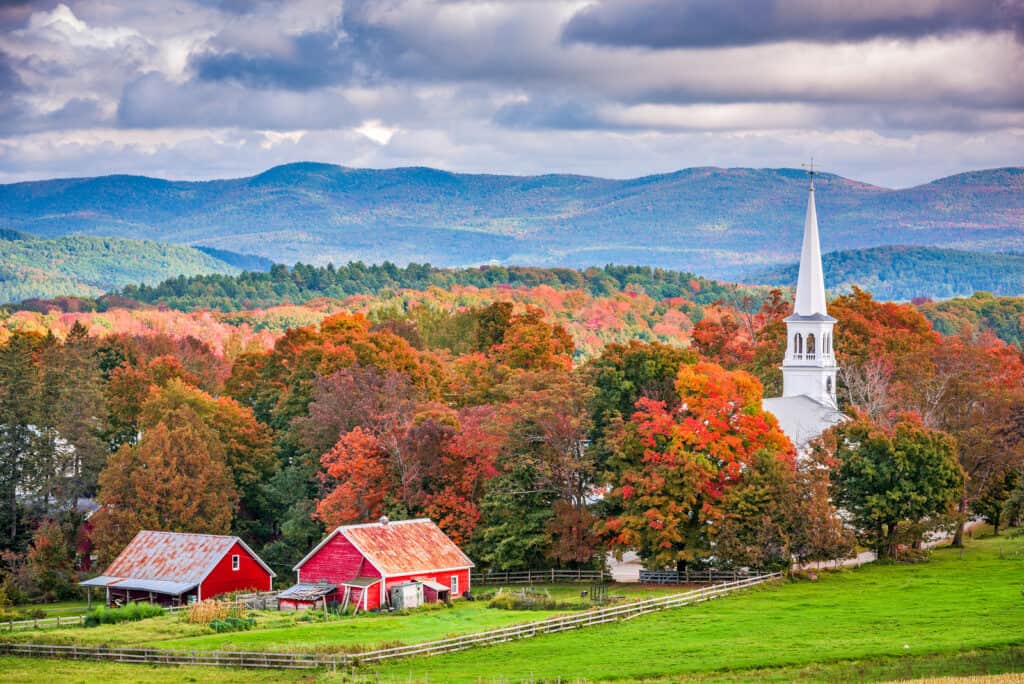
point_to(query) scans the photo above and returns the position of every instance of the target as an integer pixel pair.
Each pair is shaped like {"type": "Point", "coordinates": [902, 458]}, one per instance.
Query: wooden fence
{"type": "Point", "coordinates": [540, 576]}
{"type": "Point", "coordinates": [41, 623]}
{"type": "Point", "coordinates": [692, 576]}
{"type": "Point", "coordinates": [626, 611]}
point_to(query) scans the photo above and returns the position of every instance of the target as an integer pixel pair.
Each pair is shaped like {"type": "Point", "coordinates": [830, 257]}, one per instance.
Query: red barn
{"type": "Point", "coordinates": [172, 568]}
{"type": "Point", "coordinates": [361, 563]}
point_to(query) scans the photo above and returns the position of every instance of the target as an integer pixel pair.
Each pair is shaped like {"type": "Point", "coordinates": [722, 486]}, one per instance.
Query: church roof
{"type": "Point", "coordinates": [802, 418]}
{"type": "Point", "coordinates": [810, 284]}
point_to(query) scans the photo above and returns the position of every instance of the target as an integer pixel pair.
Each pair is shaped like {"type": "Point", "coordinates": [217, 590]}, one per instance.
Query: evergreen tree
{"type": "Point", "coordinates": [18, 383]}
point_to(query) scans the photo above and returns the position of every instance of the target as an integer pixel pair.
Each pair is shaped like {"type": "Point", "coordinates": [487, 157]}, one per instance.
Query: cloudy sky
{"type": "Point", "coordinates": [894, 92]}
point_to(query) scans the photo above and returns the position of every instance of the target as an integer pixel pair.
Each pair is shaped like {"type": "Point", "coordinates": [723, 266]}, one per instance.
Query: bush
{"type": "Point", "coordinates": [232, 624]}
{"type": "Point", "coordinates": [129, 613]}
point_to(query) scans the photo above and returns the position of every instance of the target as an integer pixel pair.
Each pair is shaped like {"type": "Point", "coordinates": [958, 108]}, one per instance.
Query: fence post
{"type": "Point", "coordinates": [552, 575]}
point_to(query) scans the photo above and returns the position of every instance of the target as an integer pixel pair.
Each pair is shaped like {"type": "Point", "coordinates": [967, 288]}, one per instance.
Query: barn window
{"type": "Point", "coordinates": [235, 561]}
{"type": "Point", "coordinates": [455, 586]}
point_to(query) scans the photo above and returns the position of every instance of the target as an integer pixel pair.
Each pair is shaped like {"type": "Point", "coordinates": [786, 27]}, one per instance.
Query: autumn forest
{"type": "Point", "coordinates": [542, 421]}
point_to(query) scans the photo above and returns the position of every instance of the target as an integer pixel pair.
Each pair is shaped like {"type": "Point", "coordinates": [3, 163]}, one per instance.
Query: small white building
{"type": "Point", "coordinates": [808, 404]}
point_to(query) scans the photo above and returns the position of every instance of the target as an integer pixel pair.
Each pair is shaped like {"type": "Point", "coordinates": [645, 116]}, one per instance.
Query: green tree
{"type": "Point", "coordinates": [18, 385]}
{"type": "Point", "coordinates": [888, 478]}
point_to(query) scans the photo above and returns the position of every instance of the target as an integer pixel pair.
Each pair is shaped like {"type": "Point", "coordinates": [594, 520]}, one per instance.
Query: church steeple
{"type": "Point", "coordinates": [810, 284]}
{"type": "Point", "coordinates": [809, 368]}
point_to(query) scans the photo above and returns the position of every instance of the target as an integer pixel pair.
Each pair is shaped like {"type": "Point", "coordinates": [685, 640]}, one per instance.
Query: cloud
{"type": "Point", "coordinates": [713, 23]}
{"type": "Point", "coordinates": [201, 88]}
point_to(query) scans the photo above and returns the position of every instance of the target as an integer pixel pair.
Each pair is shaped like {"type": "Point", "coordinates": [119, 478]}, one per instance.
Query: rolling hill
{"type": "Point", "coordinates": [717, 222]}
{"type": "Point", "coordinates": [903, 273]}
{"type": "Point", "coordinates": [89, 266]}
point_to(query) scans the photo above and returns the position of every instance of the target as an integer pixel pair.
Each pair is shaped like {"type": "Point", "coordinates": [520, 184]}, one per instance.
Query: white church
{"type": "Point", "coordinates": [808, 404]}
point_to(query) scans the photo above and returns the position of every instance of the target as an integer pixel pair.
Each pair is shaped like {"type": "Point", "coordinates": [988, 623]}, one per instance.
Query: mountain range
{"type": "Point", "coordinates": [721, 223]}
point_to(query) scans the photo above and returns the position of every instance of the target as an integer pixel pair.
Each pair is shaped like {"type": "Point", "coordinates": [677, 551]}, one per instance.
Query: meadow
{"type": "Point", "coordinates": [960, 613]}
{"type": "Point", "coordinates": [883, 618]}
{"type": "Point", "coordinates": [309, 631]}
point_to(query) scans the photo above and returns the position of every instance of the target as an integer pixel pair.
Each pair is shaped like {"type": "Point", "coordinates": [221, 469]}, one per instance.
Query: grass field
{"type": "Point", "coordinates": [62, 608]}
{"type": "Point", "coordinates": [929, 611]}
{"type": "Point", "coordinates": [286, 632]}
{"type": "Point", "coordinates": [957, 615]}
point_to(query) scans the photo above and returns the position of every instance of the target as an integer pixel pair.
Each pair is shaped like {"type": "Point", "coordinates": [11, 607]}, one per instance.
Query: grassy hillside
{"type": "Point", "coordinates": [902, 273]}
{"type": "Point", "coordinates": [716, 222]}
{"type": "Point", "coordinates": [940, 608]}
{"type": "Point", "coordinates": [959, 614]}
{"type": "Point", "coordinates": [89, 266]}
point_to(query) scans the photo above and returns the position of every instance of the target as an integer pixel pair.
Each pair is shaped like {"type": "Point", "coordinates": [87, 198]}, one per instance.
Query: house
{"type": "Point", "coordinates": [172, 568]}
{"type": "Point", "coordinates": [359, 565]}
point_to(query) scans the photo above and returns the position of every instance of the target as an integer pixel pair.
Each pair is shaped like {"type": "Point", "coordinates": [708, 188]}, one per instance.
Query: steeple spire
{"type": "Point", "coordinates": [810, 284]}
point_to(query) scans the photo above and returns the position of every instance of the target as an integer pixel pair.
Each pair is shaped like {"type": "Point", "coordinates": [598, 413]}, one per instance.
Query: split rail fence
{"type": "Point", "coordinates": [692, 576]}
{"type": "Point", "coordinates": [540, 576]}
{"type": "Point", "coordinates": [626, 611]}
{"type": "Point", "coordinates": [42, 623]}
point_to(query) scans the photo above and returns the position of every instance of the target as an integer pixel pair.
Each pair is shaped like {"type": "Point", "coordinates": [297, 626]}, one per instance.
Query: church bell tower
{"type": "Point", "coordinates": [809, 368]}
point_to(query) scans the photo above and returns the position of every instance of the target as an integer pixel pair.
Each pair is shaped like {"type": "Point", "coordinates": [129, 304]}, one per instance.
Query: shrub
{"type": "Point", "coordinates": [129, 613]}
{"type": "Point", "coordinates": [205, 612]}
{"type": "Point", "coordinates": [232, 624]}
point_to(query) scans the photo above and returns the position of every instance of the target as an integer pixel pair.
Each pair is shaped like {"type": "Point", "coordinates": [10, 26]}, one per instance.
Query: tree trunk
{"type": "Point", "coordinates": [891, 545]}
{"type": "Point", "coordinates": [958, 536]}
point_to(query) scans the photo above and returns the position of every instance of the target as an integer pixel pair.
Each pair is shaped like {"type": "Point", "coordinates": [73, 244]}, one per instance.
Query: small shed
{"type": "Point", "coordinates": [307, 596]}
{"type": "Point", "coordinates": [172, 568]}
{"type": "Point", "coordinates": [366, 561]}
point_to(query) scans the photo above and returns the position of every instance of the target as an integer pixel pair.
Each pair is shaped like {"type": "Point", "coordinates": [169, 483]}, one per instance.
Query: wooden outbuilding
{"type": "Point", "coordinates": [365, 561]}
{"type": "Point", "coordinates": [172, 568]}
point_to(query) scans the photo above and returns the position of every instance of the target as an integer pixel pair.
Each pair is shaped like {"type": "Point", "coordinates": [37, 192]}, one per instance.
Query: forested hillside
{"type": "Point", "coordinates": [902, 273]}
{"type": "Point", "coordinates": [89, 266]}
{"type": "Point", "coordinates": [495, 411]}
{"type": "Point", "coordinates": [715, 222]}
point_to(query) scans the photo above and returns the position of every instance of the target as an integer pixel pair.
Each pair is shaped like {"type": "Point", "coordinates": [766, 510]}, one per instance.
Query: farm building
{"type": "Point", "coordinates": [360, 565]}
{"type": "Point", "coordinates": [171, 568]}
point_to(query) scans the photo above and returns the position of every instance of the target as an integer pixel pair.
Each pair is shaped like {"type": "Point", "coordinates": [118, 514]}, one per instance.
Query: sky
{"type": "Point", "coordinates": [890, 92]}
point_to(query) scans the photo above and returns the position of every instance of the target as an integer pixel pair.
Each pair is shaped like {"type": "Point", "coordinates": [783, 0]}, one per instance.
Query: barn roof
{"type": "Point", "coordinates": [175, 560]}
{"type": "Point", "coordinates": [402, 547]}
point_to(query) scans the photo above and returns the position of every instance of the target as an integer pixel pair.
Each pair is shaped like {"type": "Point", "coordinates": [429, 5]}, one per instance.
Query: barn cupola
{"type": "Point", "coordinates": [809, 368]}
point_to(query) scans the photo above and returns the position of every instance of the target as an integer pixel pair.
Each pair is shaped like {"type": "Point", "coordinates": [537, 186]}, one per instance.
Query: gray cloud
{"type": "Point", "coordinates": [713, 23]}
{"type": "Point", "coordinates": [201, 88]}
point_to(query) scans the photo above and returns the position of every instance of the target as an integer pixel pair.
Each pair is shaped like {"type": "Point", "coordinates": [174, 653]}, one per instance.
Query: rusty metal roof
{"type": "Point", "coordinates": [177, 557]}
{"type": "Point", "coordinates": [402, 547]}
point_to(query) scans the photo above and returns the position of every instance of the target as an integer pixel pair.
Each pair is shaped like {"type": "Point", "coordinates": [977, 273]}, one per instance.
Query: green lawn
{"type": "Point", "coordinates": [959, 614]}
{"type": "Point", "coordinates": [63, 608]}
{"type": "Point", "coordinates": [286, 632]}
{"type": "Point", "coordinates": [928, 611]}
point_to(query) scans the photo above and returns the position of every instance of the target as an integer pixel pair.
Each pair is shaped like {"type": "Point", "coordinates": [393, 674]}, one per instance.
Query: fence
{"type": "Point", "coordinates": [40, 623]}
{"type": "Point", "coordinates": [626, 611]}
{"type": "Point", "coordinates": [692, 576]}
{"type": "Point", "coordinates": [540, 576]}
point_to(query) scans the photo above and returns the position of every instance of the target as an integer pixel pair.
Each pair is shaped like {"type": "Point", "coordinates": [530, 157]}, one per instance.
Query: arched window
{"type": "Point", "coordinates": [810, 345]}
{"type": "Point", "coordinates": [798, 344]}
{"type": "Point", "coordinates": [828, 384]}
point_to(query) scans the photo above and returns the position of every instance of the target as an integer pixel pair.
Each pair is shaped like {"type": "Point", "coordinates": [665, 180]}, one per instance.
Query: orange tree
{"type": "Point", "coordinates": [176, 478]}
{"type": "Point", "coordinates": [672, 467]}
